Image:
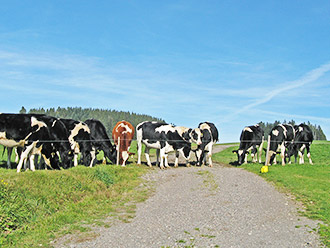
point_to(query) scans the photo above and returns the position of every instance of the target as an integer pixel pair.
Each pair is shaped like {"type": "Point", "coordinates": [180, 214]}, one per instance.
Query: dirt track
{"type": "Point", "coordinates": [210, 207]}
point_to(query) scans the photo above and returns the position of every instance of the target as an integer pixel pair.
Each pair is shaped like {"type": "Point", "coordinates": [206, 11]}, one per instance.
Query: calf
{"type": "Point", "coordinates": [303, 139]}
{"type": "Point", "coordinates": [80, 141]}
{"type": "Point", "coordinates": [280, 137]}
{"type": "Point", "coordinates": [252, 139]}
{"type": "Point", "coordinates": [101, 139]}
{"type": "Point", "coordinates": [30, 133]}
{"type": "Point", "coordinates": [210, 136]}
{"type": "Point", "coordinates": [164, 137]}
{"type": "Point", "coordinates": [122, 135]}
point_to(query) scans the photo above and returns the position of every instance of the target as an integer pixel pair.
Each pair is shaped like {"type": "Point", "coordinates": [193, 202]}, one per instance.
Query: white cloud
{"type": "Point", "coordinates": [308, 78]}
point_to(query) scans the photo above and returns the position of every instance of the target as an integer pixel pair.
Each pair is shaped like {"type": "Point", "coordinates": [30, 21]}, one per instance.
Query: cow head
{"type": "Point", "coordinates": [196, 136]}
{"type": "Point", "coordinates": [292, 150]}
{"type": "Point", "coordinates": [240, 155]}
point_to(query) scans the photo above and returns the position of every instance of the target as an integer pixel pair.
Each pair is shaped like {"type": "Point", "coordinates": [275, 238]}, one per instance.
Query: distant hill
{"type": "Point", "coordinates": [316, 129]}
{"type": "Point", "coordinates": [109, 118]}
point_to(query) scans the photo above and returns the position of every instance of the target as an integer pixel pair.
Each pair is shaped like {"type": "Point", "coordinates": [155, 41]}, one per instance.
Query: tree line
{"type": "Point", "coordinates": [109, 118]}
{"type": "Point", "coordinates": [316, 129]}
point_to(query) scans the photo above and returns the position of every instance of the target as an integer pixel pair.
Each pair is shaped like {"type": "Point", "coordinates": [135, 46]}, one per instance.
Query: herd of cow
{"type": "Point", "coordinates": [285, 139]}
{"type": "Point", "coordinates": [59, 141]}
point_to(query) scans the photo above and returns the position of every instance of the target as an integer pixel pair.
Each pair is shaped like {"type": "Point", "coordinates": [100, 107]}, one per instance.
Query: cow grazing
{"type": "Point", "coordinates": [280, 137]}
{"type": "Point", "coordinates": [303, 139]}
{"type": "Point", "coordinates": [101, 139]}
{"type": "Point", "coordinates": [122, 135]}
{"type": "Point", "coordinates": [30, 133]}
{"type": "Point", "coordinates": [59, 135]}
{"type": "Point", "coordinates": [164, 137]}
{"type": "Point", "coordinates": [210, 136]}
{"type": "Point", "coordinates": [80, 141]}
{"type": "Point", "coordinates": [251, 139]}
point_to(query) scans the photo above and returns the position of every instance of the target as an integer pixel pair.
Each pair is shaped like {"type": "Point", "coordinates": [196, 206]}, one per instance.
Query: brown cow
{"type": "Point", "coordinates": [122, 134]}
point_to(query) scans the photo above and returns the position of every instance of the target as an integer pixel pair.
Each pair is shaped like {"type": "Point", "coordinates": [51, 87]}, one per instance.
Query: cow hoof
{"type": "Point", "coordinates": [210, 165]}
{"type": "Point", "coordinates": [188, 165]}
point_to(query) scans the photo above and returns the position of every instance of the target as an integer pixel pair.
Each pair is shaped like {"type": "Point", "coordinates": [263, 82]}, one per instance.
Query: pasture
{"type": "Point", "coordinates": [36, 207]}
{"type": "Point", "coordinates": [309, 184]}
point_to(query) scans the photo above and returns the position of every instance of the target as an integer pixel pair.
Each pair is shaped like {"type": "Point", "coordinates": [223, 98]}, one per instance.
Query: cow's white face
{"type": "Point", "coordinates": [196, 136]}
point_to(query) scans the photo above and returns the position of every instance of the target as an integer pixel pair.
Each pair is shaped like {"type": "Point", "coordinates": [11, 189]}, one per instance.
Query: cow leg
{"type": "Point", "coordinates": [146, 153]}
{"type": "Point", "coordinates": [283, 153]}
{"type": "Point", "coordinates": [246, 157]}
{"type": "Point", "coordinates": [162, 158]}
{"type": "Point", "coordinates": [254, 154]}
{"type": "Point", "coordinates": [301, 154]}
{"type": "Point", "coordinates": [209, 153]}
{"type": "Point", "coordinates": [309, 154]}
{"type": "Point", "coordinates": [124, 155]}
{"type": "Point", "coordinates": [166, 161]}
{"type": "Point", "coordinates": [157, 157]}
{"type": "Point", "coordinates": [9, 152]}
{"type": "Point", "coordinates": [139, 150]}
{"type": "Point", "coordinates": [260, 151]}
{"type": "Point", "coordinates": [75, 159]}
{"type": "Point", "coordinates": [32, 166]}
{"type": "Point", "coordinates": [24, 156]}
{"type": "Point", "coordinates": [93, 156]}
{"type": "Point", "coordinates": [176, 164]}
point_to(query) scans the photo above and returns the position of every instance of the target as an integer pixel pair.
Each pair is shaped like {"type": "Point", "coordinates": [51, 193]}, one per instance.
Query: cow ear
{"type": "Point", "coordinates": [234, 151]}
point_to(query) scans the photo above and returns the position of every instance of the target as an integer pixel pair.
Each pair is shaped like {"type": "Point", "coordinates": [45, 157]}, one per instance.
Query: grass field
{"type": "Point", "coordinates": [310, 184]}
{"type": "Point", "coordinates": [36, 207]}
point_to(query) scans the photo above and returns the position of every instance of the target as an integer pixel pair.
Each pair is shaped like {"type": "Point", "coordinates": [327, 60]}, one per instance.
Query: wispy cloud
{"type": "Point", "coordinates": [308, 78]}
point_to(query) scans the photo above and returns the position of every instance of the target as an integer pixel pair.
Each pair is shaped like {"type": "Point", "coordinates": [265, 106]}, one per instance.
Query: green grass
{"type": "Point", "coordinates": [310, 184]}
{"type": "Point", "coordinates": [37, 207]}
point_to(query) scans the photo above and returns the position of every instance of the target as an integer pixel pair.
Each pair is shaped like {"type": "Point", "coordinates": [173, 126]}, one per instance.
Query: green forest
{"type": "Point", "coordinates": [109, 118]}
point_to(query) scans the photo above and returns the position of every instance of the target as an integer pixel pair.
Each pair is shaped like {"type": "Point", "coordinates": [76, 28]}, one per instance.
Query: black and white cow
{"type": "Point", "coordinates": [59, 135]}
{"type": "Point", "coordinates": [210, 136]}
{"type": "Point", "coordinates": [303, 139]}
{"type": "Point", "coordinates": [280, 137]}
{"type": "Point", "coordinates": [80, 141]}
{"type": "Point", "coordinates": [30, 133]}
{"type": "Point", "coordinates": [101, 139]}
{"type": "Point", "coordinates": [251, 139]}
{"type": "Point", "coordinates": [166, 138]}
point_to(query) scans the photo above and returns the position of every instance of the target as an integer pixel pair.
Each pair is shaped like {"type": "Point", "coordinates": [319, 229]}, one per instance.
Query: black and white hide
{"type": "Point", "coordinates": [251, 139]}
{"type": "Point", "coordinates": [30, 133]}
{"type": "Point", "coordinates": [80, 141]}
{"type": "Point", "coordinates": [303, 140]}
{"type": "Point", "coordinates": [210, 136]}
{"type": "Point", "coordinates": [164, 137]}
{"type": "Point", "coordinates": [101, 140]}
{"type": "Point", "coordinates": [280, 137]}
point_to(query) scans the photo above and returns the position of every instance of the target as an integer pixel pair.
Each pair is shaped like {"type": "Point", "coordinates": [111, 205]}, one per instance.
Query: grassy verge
{"type": "Point", "coordinates": [310, 184]}
{"type": "Point", "coordinates": [36, 207]}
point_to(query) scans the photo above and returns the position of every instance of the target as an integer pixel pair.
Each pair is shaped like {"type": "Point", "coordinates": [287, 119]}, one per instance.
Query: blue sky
{"type": "Point", "coordinates": [233, 63]}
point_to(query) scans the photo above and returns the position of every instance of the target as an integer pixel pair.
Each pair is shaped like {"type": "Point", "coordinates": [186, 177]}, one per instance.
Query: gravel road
{"type": "Point", "coordinates": [209, 207]}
